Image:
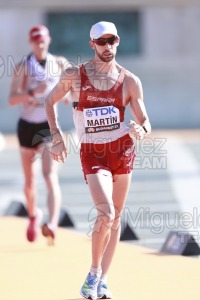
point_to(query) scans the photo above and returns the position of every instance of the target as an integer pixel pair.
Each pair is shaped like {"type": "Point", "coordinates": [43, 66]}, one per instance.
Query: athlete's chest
{"type": "Point", "coordinates": [103, 82]}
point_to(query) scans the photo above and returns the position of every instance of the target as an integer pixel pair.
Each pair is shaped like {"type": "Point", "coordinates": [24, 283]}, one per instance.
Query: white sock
{"type": "Point", "coordinates": [103, 278]}
{"type": "Point", "coordinates": [95, 271]}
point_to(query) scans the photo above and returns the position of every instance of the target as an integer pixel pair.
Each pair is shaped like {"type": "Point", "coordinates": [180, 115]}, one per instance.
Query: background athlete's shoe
{"type": "Point", "coordinates": [49, 234]}
{"type": "Point", "coordinates": [89, 288]}
{"type": "Point", "coordinates": [102, 291]}
{"type": "Point", "coordinates": [34, 225]}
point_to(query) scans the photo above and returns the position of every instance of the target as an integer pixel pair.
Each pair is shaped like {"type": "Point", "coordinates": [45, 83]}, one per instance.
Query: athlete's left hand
{"type": "Point", "coordinates": [136, 130]}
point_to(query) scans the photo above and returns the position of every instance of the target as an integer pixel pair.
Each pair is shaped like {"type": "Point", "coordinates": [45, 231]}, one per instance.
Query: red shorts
{"type": "Point", "coordinates": [110, 158]}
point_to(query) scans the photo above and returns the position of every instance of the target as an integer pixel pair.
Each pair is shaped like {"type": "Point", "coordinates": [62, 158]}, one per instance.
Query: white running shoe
{"type": "Point", "coordinates": [102, 291]}
{"type": "Point", "coordinates": [89, 288]}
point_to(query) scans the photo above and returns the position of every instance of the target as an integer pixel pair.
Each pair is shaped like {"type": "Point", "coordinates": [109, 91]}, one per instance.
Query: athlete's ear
{"type": "Point", "coordinates": [118, 41]}
{"type": "Point", "coordinates": [91, 43]}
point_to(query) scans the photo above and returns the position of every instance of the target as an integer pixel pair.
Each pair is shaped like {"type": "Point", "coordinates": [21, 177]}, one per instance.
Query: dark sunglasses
{"type": "Point", "coordinates": [103, 41]}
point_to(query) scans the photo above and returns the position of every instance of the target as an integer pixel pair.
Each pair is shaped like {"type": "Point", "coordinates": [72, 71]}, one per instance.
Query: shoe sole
{"type": "Point", "coordinates": [88, 297]}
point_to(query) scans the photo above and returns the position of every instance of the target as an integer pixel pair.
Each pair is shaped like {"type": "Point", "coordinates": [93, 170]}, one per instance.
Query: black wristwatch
{"type": "Point", "coordinates": [144, 129]}
{"type": "Point", "coordinates": [30, 92]}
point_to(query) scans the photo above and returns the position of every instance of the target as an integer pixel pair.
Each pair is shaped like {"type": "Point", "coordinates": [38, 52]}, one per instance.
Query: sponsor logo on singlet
{"type": "Point", "coordinates": [84, 88]}
{"type": "Point", "coordinates": [100, 99]}
{"type": "Point", "coordinates": [99, 119]}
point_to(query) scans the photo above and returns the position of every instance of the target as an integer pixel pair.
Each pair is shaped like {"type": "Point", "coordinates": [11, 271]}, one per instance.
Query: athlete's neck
{"type": "Point", "coordinates": [40, 56]}
{"type": "Point", "coordinates": [104, 68]}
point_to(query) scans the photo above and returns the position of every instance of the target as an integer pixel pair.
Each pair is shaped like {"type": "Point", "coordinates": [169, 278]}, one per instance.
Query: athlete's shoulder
{"type": "Point", "coordinates": [72, 71]}
{"type": "Point", "coordinates": [71, 77]}
{"type": "Point", "coordinates": [131, 77]}
{"type": "Point", "coordinates": [128, 75]}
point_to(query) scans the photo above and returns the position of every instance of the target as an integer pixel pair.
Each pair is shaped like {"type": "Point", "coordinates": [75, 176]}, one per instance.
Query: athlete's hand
{"type": "Point", "coordinates": [136, 130]}
{"type": "Point", "coordinates": [37, 98]}
{"type": "Point", "coordinates": [41, 87]}
{"type": "Point", "coordinates": [58, 149]}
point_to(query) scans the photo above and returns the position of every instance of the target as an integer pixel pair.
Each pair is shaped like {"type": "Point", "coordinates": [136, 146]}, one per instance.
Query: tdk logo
{"type": "Point", "coordinates": [100, 111]}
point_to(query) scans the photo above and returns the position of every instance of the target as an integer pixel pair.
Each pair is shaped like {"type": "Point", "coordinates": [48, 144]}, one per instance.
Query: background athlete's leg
{"type": "Point", "coordinates": [27, 157]}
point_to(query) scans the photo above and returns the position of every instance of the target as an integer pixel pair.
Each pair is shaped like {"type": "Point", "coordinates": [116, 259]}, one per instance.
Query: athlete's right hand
{"type": "Point", "coordinates": [58, 149]}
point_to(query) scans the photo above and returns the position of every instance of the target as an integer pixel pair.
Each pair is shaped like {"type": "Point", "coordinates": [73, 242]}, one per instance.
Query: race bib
{"type": "Point", "coordinates": [99, 119]}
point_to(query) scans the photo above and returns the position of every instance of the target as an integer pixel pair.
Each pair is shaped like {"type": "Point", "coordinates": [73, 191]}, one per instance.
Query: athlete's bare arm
{"type": "Point", "coordinates": [135, 99]}
{"type": "Point", "coordinates": [68, 82]}
{"type": "Point", "coordinates": [18, 94]}
{"type": "Point", "coordinates": [64, 85]}
{"type": "Point", "coordinates": [63, 64]}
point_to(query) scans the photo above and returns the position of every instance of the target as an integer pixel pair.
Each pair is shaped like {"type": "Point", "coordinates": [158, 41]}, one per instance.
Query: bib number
{"type": "Point", "coordinates": [100, 119]}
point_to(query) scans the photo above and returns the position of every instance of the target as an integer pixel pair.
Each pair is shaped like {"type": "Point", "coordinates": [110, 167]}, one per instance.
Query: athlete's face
{"type": "Point", "coordinates": [40, 47]}
{"type": "Point", "coordinates": [105, 47]}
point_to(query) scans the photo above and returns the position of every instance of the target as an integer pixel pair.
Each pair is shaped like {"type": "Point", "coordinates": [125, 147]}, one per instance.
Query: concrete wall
{"type": "Point", "coordinates": [14, 27]}
{"type": "Point", "coordinates": [169, 66]}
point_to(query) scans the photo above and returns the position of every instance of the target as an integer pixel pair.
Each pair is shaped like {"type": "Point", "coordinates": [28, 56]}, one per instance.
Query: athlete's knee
{"type": "Point", "coordinates": [107, 217]}
{"type": "Point", "coordinates": [116, 223]}
{"type": "Point", "coordinates": [117, 220]}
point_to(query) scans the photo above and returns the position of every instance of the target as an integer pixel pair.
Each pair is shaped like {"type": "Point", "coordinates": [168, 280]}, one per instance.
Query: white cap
{"type": "Point", "coordinates": [102, 28]}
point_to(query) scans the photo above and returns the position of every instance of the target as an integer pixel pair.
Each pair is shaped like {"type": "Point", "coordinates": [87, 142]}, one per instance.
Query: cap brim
{"type": "Point", "coordinates": [40, 38]}
{"type": "Point", "coordinates": [97, 36]}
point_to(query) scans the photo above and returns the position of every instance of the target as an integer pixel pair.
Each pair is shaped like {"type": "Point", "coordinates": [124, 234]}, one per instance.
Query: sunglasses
{"type": "Point", "coordinates": [103, 41]}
